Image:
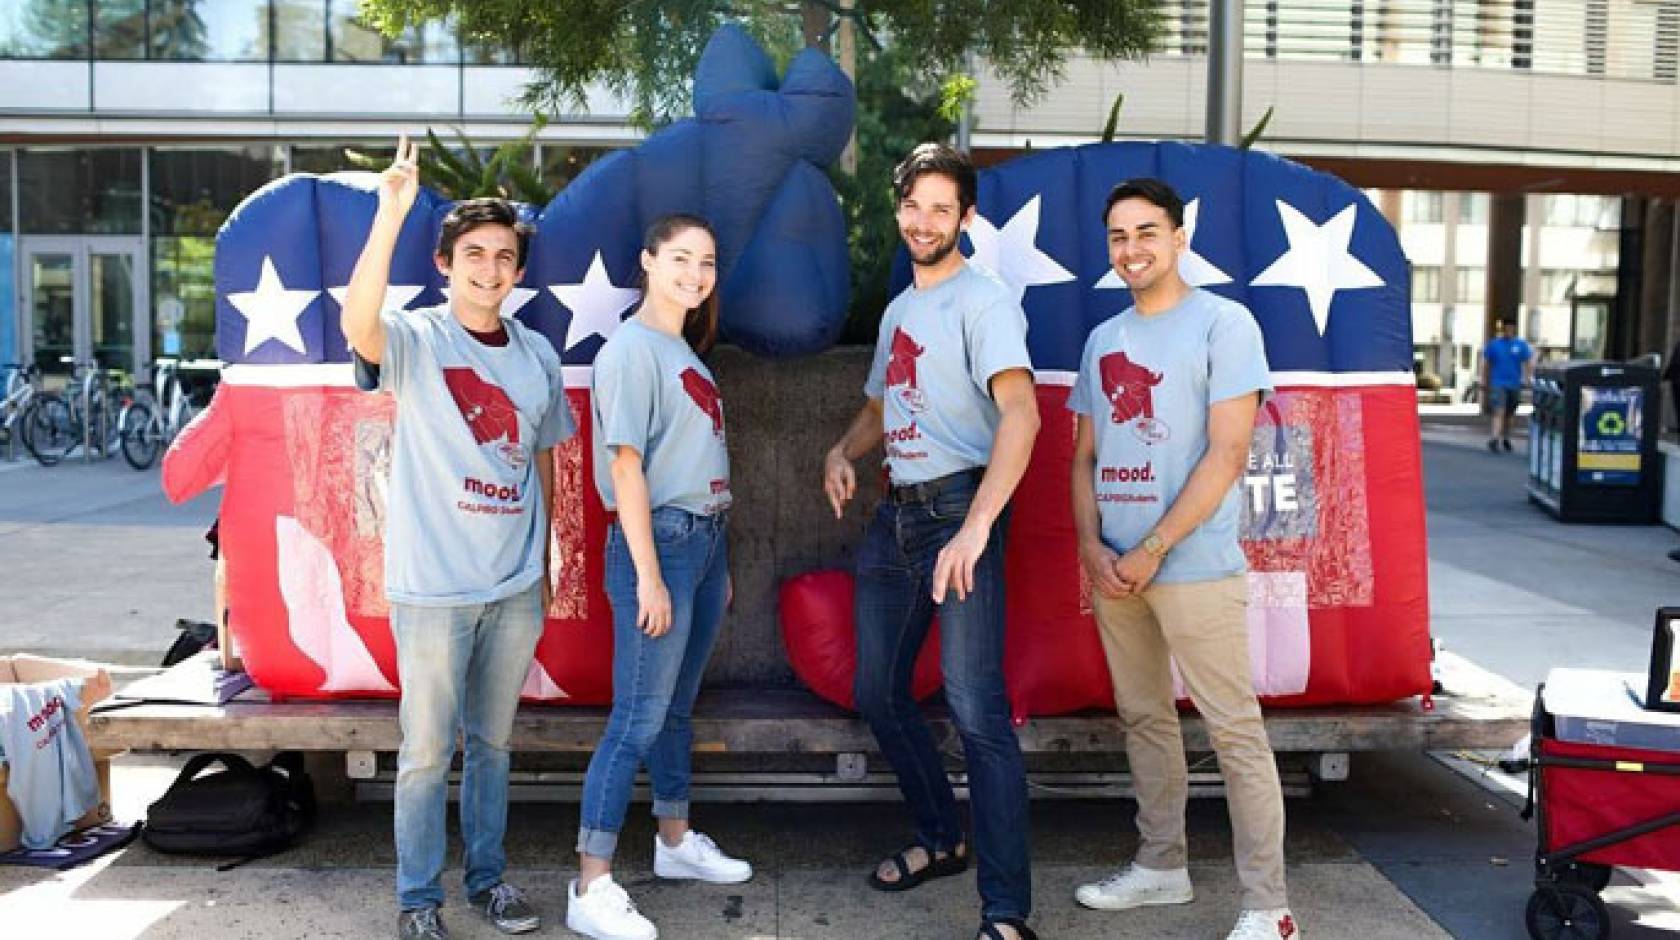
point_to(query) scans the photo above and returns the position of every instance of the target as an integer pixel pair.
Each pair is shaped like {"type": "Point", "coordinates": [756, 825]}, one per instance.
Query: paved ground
{"type": "Point", "coordinates": [92, 561]}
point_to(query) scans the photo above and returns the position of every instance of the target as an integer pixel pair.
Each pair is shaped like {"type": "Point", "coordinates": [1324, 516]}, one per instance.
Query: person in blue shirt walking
{"type": "Point", "coordinates": [1507, 365]}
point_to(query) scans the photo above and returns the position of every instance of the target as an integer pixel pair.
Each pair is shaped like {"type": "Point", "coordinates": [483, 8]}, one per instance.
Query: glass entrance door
{"type": "Point", "coordinates": [83, 300]}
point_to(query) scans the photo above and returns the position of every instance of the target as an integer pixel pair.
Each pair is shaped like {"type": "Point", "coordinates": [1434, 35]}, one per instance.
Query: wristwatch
{"type": "Point", "coordinates": [1154, 545]}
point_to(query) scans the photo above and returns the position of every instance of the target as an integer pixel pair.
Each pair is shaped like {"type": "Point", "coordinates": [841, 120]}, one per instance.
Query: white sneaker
{"type": "Point", "coordinates": [605, 912]}
{"type": "Point", "coordinates": [1275, 924]}
{"type": "Point", "coordinates": [698, 857]}
{"type": "Point", "coordinates": [1135, 886]}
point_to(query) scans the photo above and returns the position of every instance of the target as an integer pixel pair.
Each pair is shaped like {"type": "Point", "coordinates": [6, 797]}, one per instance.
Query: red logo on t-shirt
{"type": "Point", "coordinates": [1128, 387]}
{"type": "Point", "coordinates": [705, 395]}
{"type": "Point", "coordinates": [488, 411]}
{"type": "Point", "coordinates": [901, 368]}
{"type": "Point", "coordinates": [901, 359]}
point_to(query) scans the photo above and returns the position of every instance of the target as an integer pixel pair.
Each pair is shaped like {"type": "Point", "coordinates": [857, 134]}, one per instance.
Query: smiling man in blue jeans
{"type": "Point", "coordinates": [951, 392]}
{"type": "Point", "coordinates": [480, 406]}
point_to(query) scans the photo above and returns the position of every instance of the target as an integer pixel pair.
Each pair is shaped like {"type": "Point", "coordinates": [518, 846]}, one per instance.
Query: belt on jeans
{"type": "Point", "coordinates": [929, 490]}
{"type": "Point", "coordinates": [716, 517]}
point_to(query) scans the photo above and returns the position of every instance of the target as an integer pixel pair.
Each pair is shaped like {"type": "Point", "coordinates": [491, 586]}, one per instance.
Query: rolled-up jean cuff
{"type": "Point", "coordinates": [597, 842]}
{"type": "Point", "coordinates": [670, 809]}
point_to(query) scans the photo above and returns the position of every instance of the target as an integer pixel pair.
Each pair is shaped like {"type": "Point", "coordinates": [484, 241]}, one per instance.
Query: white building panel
{"type": "Point", "coordinates": [43, 86]}
{"type": "Point", "coordinates": [432, 92]}
{"type": "Point", "coordinates": [1404, 103]}
{"type": "Point", "coordinates": [181, 87]}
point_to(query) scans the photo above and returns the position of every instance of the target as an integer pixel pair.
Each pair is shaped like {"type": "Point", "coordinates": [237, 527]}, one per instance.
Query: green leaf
{"type": "Point", "coordinates": [362, 161]}
{"type": "Point", "coordinates": [1253, 136]}
{"type": "Point", "coordinates": [1113, 119]}
{"type": "Point", "coordinates": [447, 165]}
{"type": "Point", "coordinates": [955, 95]}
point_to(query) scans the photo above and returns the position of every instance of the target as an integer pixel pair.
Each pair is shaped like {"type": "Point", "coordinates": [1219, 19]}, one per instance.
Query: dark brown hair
{"type": "Point", "coordinates": [937, 158]}
{"type": "Point", "coordinates": [1152, 191]}
{"type": "Point", "coordinates": [700, 327]}
{"type": "Point", "coordinates": [473, 213]}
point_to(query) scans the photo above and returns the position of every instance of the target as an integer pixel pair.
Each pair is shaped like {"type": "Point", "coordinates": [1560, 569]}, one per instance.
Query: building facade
{"type": "Point", "coordinates": [1522, 147]}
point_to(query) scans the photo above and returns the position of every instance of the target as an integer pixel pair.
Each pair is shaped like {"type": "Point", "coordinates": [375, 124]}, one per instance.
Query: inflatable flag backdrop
{"type": "Point", "coordinates": [304, 456]}
{"type": "Point", "coordinates": [1334, 523]}
{"type": "Point", "coordinates": [1333, 497]}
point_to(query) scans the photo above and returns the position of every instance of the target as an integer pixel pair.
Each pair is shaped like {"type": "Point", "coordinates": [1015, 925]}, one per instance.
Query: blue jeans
{"type": "Point", "coordinates": [655, 679]}
{"type": "Point", "coordinates": [461, 667]}
{"type": "Point", "coordinates": [894, 609]}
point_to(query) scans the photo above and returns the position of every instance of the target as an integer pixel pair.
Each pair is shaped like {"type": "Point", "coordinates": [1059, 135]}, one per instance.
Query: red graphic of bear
{"type": "Point", "coordinates": [488, 411]}
{"type": "Point", "coordinates": [1127, 386]}
{"type": "Point", "coordinates": [901, 359]}
{"type": "Point", "coordinates": [705, 395]}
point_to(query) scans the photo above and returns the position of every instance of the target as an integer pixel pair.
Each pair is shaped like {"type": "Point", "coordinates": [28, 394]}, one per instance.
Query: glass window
{"type": "Point", "coordinates": [194, 190]}
{"type": "Point", "coordinates": [353, 41]}
{"type": "Point", "coordinates": [44, 29]}
{"type": "Point", "coordinates": [1473, 208]}
{"type": "Point", "coordinates": [184, 296]}
{"type": "Point", "coordinates": [1471, 285]}
{"type": "Point", "coordinates": [1426, 284]}
{"type": "Point", "coordinates": [209, 30]}
{"type": "Point", "coordinates": [562, 163]}
{"type": "Point", "coordinates": [1556, 287]}
{"type": "Point", "coordinates": [1560, 210]}
{"type": "Point", "coordinates": [481, 53]}
{"type": "Point", "coordinates": [331, 158]}
{"type": "Point", "coordinates": [119, 29]}
{"type": "Point", "coordinates": [1422, 207]}
{"type": "Point", "coordinates": [79, 192]}
{"type": "Point", "coordinates": [300, 30]}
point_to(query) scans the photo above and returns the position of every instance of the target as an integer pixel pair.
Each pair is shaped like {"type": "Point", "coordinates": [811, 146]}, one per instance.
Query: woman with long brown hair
{"type": "Point", "coordinates": [663, 473]}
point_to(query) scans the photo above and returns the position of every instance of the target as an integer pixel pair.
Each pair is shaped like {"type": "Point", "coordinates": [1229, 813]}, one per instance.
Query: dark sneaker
{"type": "Point", "coordinates": [506, 907]}
{"type": "Point", "coordinates": [1493, 444]}
{"type": "Point", "coordinates": [422, 924]}
{"type": "Point", "coordinates": [1505, 443]}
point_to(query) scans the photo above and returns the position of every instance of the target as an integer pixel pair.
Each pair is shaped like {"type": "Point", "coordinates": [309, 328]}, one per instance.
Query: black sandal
{"type": "Point", "coordinates": [955, 862]}
{"type": "Point", "coordinates": [989, 929]}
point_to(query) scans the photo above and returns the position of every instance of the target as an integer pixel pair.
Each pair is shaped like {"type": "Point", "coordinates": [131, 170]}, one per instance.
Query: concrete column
{"type": "Point", "coordinates": [1388, 203]}
{"type": "Point", "coordinates": [1657, 284]}
{"type": "Point", "coordinates": [1446, 354]}
{"type": "Point", "coordinates": [1506, 213]}
{"type": "Point", "coordinates": [1672, 334]}
{"type": "Point", "coordinates": [1622, 340]}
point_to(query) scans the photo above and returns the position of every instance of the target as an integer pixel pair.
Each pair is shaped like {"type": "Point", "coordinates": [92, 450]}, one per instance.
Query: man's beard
{"type": "Point", "coordinates": [939, 252]}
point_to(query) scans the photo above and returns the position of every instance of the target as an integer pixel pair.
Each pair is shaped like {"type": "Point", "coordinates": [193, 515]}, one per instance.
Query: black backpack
{"type": "Point", "coordinates": [241, 810]}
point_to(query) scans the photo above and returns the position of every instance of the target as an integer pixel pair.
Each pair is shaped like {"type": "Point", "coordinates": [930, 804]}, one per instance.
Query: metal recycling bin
{"type": "Point", "coordinates": [1593, 442]}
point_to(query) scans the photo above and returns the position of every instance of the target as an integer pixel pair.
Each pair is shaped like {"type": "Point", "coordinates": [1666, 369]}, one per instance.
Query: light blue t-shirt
{"type": "Point", "coordinates": [1146, 383]}
{"type": "Point", "coordinates": [52, 780]}
{"type": "Point", "coordinates": [1505, 359]}
{"type": "Point", "coordinates": [651, 392]}
{"type": "Point", "coordinates": [465, 522]}
{"type": "Point", "coordinates": [935, 357]}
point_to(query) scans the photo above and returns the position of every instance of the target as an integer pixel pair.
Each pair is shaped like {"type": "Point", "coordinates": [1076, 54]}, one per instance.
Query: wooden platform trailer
{"type": "Point", "coordinates": [785, 744]}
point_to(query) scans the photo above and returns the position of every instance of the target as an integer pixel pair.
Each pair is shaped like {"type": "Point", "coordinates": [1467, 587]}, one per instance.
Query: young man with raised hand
{"type": "Point", "coordinates": [1166, 397]}
{"type": "Point", "coordinates": [480, 406]}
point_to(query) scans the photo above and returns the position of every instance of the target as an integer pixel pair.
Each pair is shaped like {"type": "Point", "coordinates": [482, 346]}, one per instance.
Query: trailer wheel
{"type": "Point", "coordinates": [1594, 878]}
{"type": "Point", "coordinates": [1567, 912]}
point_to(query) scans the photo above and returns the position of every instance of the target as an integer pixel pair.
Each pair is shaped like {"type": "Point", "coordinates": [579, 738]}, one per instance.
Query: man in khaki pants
{"type": "Point", "coordinates": [1166, 398]}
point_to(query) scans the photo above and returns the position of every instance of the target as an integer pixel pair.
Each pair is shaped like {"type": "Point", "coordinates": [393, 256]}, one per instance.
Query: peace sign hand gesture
{"type": "Point", "coordinates": [400, 182]}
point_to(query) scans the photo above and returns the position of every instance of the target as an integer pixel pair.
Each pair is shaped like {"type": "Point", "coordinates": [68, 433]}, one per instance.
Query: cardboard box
{"type": "Point", "coordinates": [24, 668]}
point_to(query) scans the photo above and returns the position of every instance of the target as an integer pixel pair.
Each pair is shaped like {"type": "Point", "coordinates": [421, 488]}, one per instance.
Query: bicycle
{"type": "Point", "coordinates": [149, 423]}
{"type": "Point", "coordinates": [57, 424]}
{"type": "Point", "coordinates": [23, 383]}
